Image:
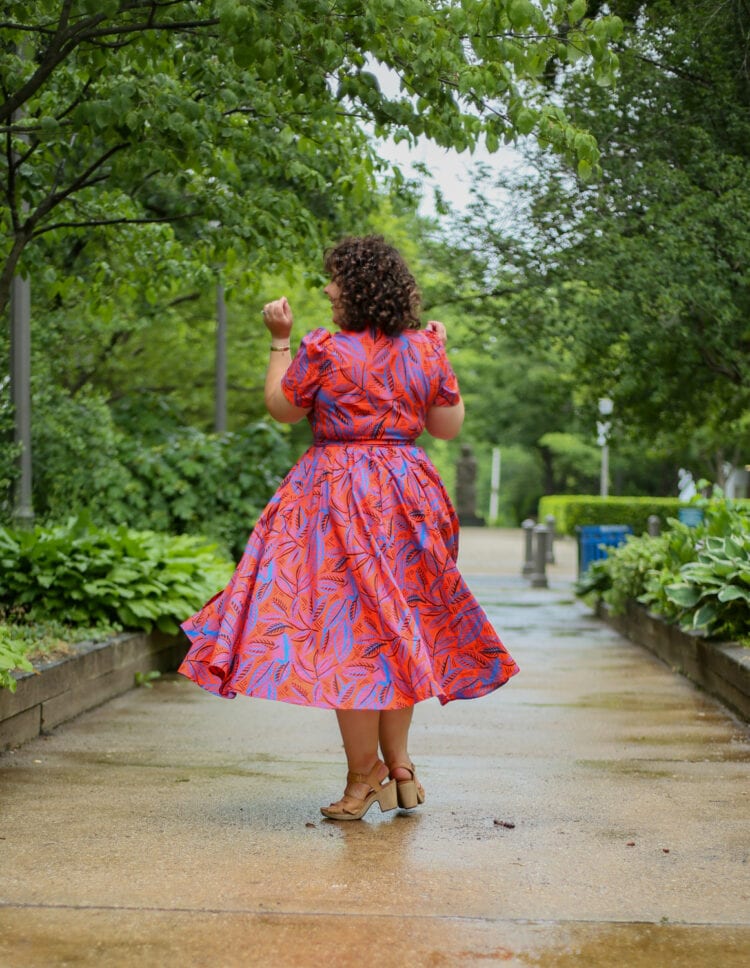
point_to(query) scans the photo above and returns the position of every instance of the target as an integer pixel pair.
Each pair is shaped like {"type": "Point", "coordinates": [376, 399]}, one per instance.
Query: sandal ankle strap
{"type": "Point", "coordinates": [371, 778]}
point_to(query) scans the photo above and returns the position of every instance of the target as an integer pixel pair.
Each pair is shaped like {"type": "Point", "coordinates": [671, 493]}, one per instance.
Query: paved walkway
{"type": "Point", "coordinates": [592, 813]}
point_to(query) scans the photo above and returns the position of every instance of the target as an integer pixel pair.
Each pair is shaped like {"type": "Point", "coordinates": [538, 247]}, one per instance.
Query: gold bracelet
{"type": "Point", "coordinates": [279, 349]}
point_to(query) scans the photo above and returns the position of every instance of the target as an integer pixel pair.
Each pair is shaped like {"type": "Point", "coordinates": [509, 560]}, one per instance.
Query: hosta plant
{"type": "Point", "coordinates": [713, 593]}
{"type": "Point", "coordinates": [698, 577]}
{"type": "Point", "coordinates": [83, 575]}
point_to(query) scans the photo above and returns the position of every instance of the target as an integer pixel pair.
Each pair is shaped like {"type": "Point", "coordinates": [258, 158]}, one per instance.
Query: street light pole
{"type": "Point", "coordinates": [220, 400]}
{"type": "Point", "coordinates": [20, 378]}
{"type": "Point", "coordinates": [603, 428]}
{"type": "Point", "coordinates": [20, 388]}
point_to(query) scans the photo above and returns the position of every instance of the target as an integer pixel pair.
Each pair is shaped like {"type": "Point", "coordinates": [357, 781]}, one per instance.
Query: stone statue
{"type": "Point", "coordinates": [685, 484]}
{"type": "Point", "coordinates": [466, 487]}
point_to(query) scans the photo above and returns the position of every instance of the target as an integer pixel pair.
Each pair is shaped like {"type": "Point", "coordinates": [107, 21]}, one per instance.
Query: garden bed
{"type": "Point", "coordinates": [721, 668]}
{"type": "Point", "coordinates": [63, 687]}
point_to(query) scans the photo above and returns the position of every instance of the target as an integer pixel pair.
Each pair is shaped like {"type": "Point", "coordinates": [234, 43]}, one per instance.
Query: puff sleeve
{"type": "Point", "coordinates": [444, 385]}
{"type": "Point", "coordinates": [302, 380]}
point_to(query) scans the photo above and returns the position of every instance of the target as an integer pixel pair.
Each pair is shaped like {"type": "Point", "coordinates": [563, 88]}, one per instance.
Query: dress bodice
{"type": "Point", "coordinates": [367, 386]}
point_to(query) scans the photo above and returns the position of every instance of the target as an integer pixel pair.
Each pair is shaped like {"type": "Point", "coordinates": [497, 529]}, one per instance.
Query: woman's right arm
{"type": "Point", "coordinates": [445, 422]}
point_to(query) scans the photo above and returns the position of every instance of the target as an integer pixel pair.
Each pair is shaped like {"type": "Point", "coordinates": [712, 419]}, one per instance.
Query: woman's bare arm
{"type": "Point", "coordinates": [445, 422]}
{"type": "Point", "coordinates": [278, 318]}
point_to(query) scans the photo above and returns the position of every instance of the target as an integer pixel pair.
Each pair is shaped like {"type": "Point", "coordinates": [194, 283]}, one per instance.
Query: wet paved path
{"type": "Point", "coordinates": [170, 828]}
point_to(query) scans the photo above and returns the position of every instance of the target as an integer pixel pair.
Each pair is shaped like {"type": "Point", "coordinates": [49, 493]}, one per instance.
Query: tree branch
{"type": "Point", "coordinates": [84, 180]}
{"type": "Point", "coordinates": [67, 37]}
{"type": "Point", "coordinates": [146, 25]}
{"type": "Point", "coordinates": [94, 223]}
{"type": "Point", "coordinates": [473, 297]}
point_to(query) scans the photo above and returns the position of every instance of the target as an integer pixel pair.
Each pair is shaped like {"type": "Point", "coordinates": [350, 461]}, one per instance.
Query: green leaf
{"type": "Point", "coordinates": [705, 616]}
{"type": "Point", "coordinates": [687, 596]}
{"type": "Point", "coordinates": [731, 593]}
{"type": "Point", "coordinates": [577, 11]}
{"type": "Point", "coordinates": [521, 13]}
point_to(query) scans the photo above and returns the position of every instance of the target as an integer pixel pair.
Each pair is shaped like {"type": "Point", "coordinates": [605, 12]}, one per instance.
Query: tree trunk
{"type": "Point", "coordinates": [549, 471]}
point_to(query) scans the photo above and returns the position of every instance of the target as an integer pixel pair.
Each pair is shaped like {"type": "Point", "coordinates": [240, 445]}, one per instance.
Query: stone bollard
{"type": "Point", "coordinates": [528, 537]}
{"type": "Point", "coordinates": [550, 522]}
{"type": "Point", "coordinates": [538, 576]}
{"type": "Point", "coordinates": [654, 525]}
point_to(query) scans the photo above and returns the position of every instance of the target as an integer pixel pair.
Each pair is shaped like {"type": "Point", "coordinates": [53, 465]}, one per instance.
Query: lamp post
{"type": "Point", "coordinates": [603, 428]}
{"type": "Point", "coordinates": [220, 398]}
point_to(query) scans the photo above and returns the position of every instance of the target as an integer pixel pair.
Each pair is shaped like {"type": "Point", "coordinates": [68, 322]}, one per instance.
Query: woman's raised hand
{"type": "Point", "coordinates": [438, 328]}
{"type": "Point", "coordinates": [277, 316]}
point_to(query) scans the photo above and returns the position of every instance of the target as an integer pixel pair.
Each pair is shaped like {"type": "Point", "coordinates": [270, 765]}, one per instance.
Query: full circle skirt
{"type": "Point", "coordinates": [348, 595]}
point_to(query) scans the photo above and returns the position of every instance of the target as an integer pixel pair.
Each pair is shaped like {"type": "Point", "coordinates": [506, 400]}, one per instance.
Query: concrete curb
{"type": "Point", "coordinates": [60, 689]}
{"type": "Point", "coordinates": [721, 668]}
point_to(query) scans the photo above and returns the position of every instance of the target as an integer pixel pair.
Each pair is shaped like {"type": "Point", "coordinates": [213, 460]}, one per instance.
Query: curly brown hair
{"type": "Point", "coordinates": [377, 288]}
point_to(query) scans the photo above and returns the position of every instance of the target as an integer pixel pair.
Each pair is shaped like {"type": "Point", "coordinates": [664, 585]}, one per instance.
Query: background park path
{"type": "Point", "coordinates": [594, 812]}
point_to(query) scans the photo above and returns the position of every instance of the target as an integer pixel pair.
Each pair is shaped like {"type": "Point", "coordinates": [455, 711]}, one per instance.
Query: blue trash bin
{"type": "Point", "coordinates": [691, 516]}
{"type": "Point", "coordinates": [595, 540]}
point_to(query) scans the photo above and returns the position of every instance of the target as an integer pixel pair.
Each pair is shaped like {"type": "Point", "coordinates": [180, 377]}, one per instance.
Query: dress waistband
{"type": "Point", "coordinates": [362, 442]}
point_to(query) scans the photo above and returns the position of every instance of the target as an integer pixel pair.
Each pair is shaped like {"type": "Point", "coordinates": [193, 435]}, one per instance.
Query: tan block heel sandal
{"type": "Point", "coordinates": [354, 808]}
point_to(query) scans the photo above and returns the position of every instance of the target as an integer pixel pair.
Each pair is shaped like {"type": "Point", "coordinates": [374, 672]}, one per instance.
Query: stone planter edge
{"type": "Point", "coordinates": [60, 689]}
{"type": "Point", "coordinates": [721, 668]}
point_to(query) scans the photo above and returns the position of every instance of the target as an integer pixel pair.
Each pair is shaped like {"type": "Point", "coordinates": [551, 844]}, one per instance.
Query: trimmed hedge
{"type": "Point", "coordinates": [572, 510]}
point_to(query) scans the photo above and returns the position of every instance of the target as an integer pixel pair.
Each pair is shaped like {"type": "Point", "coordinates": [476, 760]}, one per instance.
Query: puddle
{"type": "Point", "coordinates": [640, 945]}
{"type": "Point", "coordinates": [629, 768]}
{"type": "Point", "coordinates": [710, 746]}
{"type": "Point", "coordinates": [630, 702]}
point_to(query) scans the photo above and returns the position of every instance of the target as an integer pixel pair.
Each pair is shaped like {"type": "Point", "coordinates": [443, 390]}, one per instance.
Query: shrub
{"type": "Point", "coordinates": [76, 453]}
{"type": "Point", "coordinates": [197, 483]}
{"type": "Point", "coordinates": [698, 577]}
{"type": "Point", "coordinates": [572, 510]}
{"type": "Point", "coordinates": [190, 482]}
{"type": "Point", "coordinates": [85, 575]}
{"type": "Point", "coordinates": [12, 656]}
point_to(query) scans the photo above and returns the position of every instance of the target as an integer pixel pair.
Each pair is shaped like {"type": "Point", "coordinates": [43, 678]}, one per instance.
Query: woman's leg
{"type": "Point", "coordinates": [393, 735]}
{"type": "Point", "coordinates": [359, 731]}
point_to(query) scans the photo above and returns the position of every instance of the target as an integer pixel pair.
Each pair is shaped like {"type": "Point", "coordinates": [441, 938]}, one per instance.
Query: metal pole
{"type": "Point", "coordinates": [20, 377]}
{"type": "Point", "coordinates": [495, 485]}
{"type": "Point", "coordinates": [220, 403]}
{"type": "Point", "coordinates": [550, 522]}
{"type": "Point", "coordinates": [20, 389]}
{"type": "Point", "coordinates": [528, 537]}
{"type": "Point", "coordinates": [539, 576]}
{"type": "Point", "coordinates": [604, 483]}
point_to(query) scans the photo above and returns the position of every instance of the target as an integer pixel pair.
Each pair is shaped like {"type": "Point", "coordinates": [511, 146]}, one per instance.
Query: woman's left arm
{"type": "Point", "coordinates": [278, 318]}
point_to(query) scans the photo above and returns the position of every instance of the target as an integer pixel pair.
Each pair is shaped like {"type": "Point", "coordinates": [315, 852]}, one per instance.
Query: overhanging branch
{"type": "Point", "coordinates": [94, 223]}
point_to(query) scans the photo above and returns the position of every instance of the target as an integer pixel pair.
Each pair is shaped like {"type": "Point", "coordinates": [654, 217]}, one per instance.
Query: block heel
{"type": "Point", "coordinates": [410, 792]}
{"type": "Point", "coordinates": [354, 808]}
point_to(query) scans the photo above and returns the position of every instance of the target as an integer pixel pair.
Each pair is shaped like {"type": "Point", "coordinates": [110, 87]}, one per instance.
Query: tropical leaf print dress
{"type": "Point", "coordinates": [348, 595]}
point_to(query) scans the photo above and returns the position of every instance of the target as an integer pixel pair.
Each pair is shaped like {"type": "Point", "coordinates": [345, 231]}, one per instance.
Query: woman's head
{"type": "Point", "coordinates": [372, 286]}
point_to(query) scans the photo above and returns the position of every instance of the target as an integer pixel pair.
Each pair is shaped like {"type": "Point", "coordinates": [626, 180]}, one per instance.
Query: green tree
{"type": "Point", "coordinates": [238, 121]}
{"type": "Point", "coordinates": [640, 278]}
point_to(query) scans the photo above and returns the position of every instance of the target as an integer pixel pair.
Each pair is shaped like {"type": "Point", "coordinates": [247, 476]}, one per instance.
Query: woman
{"type": "Point", "coordinates": [348, 596]}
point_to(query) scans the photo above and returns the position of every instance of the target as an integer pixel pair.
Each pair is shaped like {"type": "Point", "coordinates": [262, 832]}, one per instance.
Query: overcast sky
{"type": "Point", "coordinates": [451, 171]}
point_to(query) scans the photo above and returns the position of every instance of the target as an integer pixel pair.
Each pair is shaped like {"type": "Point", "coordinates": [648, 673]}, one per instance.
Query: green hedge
{"type": "Point", "coordinates": [572, 510]}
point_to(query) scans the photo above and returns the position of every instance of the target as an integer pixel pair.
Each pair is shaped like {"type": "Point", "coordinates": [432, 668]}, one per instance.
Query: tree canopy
{"type": "Point", "coordinates": [239, 122]}
{"type": "Point", "coordinates": [640, 279]}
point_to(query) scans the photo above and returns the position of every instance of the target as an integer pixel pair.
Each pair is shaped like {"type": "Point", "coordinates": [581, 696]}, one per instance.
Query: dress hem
{"type": "Point", "coordinates": [225, 691]}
